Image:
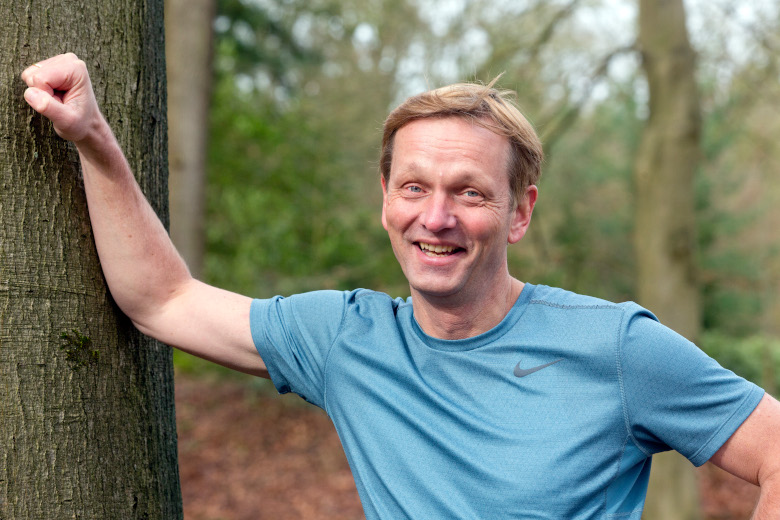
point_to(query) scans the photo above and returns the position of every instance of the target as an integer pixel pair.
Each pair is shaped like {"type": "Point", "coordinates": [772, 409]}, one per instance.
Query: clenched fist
{"type": "Point", "coordinates": [59, 88]}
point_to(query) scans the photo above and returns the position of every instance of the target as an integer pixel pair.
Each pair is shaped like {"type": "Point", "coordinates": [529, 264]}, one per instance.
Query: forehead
{"type": "Point", "coordinates": [449, 144]}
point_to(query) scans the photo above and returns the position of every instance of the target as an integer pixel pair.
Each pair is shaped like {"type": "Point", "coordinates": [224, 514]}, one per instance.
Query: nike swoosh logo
{"type": "Point", "coordinates": [522, 372]}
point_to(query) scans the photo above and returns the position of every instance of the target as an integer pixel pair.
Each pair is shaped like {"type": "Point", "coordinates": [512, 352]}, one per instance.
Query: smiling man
{"type": "Point", "coordinates": [450, 214]}
{"type": "Point", "coordinates": [480, 396]}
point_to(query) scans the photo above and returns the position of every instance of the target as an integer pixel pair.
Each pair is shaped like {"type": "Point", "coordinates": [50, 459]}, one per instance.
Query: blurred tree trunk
{"type": "Point", "coordinates": [87, 423]}
{"type": "Point", "coordinates": [188, 50]}
{"type": "Point", "coordinates": [665, 230]}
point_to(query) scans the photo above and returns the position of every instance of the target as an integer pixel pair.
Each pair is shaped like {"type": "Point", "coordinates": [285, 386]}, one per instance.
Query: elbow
{"type": "Point", "coordinates": [146, 331]}
{"type": "Point", "coordinates": [147, 310]}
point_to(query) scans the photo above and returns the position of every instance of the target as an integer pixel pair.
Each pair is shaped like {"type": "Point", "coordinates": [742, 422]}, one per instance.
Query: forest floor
{"type": "Point", "coordinates": [247, 454]}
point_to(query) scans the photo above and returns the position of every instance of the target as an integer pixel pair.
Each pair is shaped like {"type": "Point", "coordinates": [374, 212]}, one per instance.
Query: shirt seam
{"type": "Point", "coordinates": [581, 306]}
{"type": "Point", "coordinates": [628, 513]}
{"type": "Point", "coordinates": [330, 351]}
{"type": "Point", "coordinates": [623, 399]}
{"type": "Point", "coordinates": [476, 342]}
{"type": "Point", "coordinates": [616, 473]}
{"type": "Point", "coordinates": [268, 344]}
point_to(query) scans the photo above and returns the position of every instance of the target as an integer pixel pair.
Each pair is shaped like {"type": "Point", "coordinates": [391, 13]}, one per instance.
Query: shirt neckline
{"type": "Point", "coordinates": [459, 345]}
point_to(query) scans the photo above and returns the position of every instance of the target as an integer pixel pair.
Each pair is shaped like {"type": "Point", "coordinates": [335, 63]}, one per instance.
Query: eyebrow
{"type": "Point", "coordinates": [414, 167]}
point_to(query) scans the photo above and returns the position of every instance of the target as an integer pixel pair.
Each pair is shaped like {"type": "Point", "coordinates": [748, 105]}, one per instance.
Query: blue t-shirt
{"type": "Point", "coordinates": [554, 413]}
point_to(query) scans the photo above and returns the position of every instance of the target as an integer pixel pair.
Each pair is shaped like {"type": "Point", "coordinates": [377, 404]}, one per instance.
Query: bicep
{"type": "Point", "coordinates": [753, 451]}
{"type": "Point", "coordinates": [210, 323]}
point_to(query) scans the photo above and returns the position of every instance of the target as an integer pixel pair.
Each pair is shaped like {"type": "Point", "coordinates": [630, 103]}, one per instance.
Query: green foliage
{"type": "Point", "coordinates": [283, 209]}
{"type": "Point", "coordinates": [756, 358]}
{"type": "Point", "coordinates": [253, 39]}
{"type": "Point", "coordinates": [78, 350]}
{"type": "Point", "coordinates": [734, 261]}
{"type": "Point", "coordinates": [293, 196]}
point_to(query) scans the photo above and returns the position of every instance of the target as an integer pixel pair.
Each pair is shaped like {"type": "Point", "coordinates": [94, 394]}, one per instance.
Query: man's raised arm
{"type": "Point", "coordinates": [148, 279]}
{"type": "Point", "coordinates": [753, 454]}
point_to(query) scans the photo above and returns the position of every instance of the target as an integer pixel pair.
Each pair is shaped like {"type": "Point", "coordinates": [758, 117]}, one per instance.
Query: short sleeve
{"type": "Point", "coordinates": [675, 396]}
{"type": "Point", "coordinates": [293, 337]}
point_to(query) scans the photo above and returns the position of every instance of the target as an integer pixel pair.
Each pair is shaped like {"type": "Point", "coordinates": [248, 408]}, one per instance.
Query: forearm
{"type": "Point", "coordinates": [768, 507]}
{"type": "Point", "coordinates": [141, 265]}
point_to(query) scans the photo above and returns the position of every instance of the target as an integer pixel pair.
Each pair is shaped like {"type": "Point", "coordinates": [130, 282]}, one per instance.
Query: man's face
{"type": "Point", "coordinates": [448, 210]}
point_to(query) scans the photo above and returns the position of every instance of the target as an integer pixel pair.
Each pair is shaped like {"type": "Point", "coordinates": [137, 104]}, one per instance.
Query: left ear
{"type": "Point", "coordinates": [384, 202]}
{"type": "Point", "coordinates": [522, 216]}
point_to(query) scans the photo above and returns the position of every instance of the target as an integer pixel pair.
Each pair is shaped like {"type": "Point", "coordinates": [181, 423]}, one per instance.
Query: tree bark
{"type": "Point", "coordinates": [188, 29]}
{"type": "Point", "coordinates": [665, 230]}
{"type": "Point", "coordinates": [87, 424]}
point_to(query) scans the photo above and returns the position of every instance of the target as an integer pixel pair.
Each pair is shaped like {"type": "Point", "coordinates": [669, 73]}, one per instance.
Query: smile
{"type": "Point", "coordinates": [437, 250]}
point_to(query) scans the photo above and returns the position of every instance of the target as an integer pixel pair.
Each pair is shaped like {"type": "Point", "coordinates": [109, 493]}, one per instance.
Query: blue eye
{"type": "Point", "coordinates": [415, 189]}
{"type": "Point", "coordinates": [472, 193]}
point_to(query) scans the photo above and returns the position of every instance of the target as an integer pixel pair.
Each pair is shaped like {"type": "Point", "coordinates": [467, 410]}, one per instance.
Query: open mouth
{"type": "Point", "coordinates": [437, 250]}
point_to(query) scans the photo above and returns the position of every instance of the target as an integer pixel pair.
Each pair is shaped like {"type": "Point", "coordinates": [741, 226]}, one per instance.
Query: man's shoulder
{"type": "Point", "coordinates": [364, 302]}
{"type": "Point", "coordinates": [331, 306]}
{"type": "Point", "coordinates": [368, 298]}
{"type": "Point", "coordinates": [571, 303]}
{"type": "Point", "coordinates": [328, 296]}
{"type": "Point", "coordinates": [562, 298]}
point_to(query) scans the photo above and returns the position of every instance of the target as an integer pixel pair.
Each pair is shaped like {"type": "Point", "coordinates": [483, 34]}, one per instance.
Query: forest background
{"type": "Point", "coordinates": [298, 89]}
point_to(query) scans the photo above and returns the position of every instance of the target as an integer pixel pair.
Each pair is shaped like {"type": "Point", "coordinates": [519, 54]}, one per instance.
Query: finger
{"type": "Point", "coordinates": [34, 76]}
{"type": "Point", "coordinates": [68, 56]}
{"type": "Point", "coordinates": [29, 72]}
{"type": "Point", "coordinates": [62, 72]}
{"type": "Point", "coordinates": [54, 60]}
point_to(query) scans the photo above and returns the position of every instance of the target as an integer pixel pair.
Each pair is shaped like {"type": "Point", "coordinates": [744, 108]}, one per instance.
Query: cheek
{"type": "Point", "coordinates": [397, 213]}
{"type": "Point", "coordinates": [491, 224]}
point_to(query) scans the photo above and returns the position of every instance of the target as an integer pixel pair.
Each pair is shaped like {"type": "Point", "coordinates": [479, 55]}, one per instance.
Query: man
{"type": "Point", "coordinates": [479, 397]}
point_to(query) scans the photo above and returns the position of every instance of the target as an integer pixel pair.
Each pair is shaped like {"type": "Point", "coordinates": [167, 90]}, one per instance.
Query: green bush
{"type": "Point", "coordinates": [756, 358]}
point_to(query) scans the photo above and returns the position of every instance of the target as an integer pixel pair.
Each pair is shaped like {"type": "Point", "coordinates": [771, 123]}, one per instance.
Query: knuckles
{"type": "Point", "coordinates": [67, 98]}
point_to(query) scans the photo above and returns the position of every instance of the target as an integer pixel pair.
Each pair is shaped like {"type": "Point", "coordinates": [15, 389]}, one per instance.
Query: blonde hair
{"type": "Point", "coordinates": [484, 105]}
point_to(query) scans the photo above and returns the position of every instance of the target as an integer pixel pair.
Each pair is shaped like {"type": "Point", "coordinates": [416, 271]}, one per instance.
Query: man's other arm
{"type": "Point", "coordinates": [753, 454]}
{"type": "Point", "coordinates": [146, 276]}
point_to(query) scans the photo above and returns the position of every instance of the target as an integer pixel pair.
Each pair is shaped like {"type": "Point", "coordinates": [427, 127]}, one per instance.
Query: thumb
{"type": "Point", "coordinates": [48, 106]}
{"type": "Point", "coordinates": [38, 99]}
{"type": "Point", "coordinates": [53, 109]}
{"type": "Point", "coordinates": [45, 104]}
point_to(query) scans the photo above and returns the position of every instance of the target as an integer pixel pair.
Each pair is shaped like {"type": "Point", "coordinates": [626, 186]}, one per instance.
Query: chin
{"type": "Point", "coordinates": [442, 290]}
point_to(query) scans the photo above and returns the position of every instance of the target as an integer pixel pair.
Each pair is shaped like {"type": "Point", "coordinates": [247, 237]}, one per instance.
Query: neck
{"type": "Point", "coordinates": [459, 318]}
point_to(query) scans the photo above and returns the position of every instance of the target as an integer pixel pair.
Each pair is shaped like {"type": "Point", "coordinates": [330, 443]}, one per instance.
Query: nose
{"type": "Point", "coordinates": [438, 213]}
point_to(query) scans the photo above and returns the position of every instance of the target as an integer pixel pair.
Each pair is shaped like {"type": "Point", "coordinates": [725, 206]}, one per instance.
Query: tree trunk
{"type": "Point", "coordinates": [189, 54]}
{"type": "Point", "coordinates": [87, 425]}
{"type": "Point", "coordinates": [665, 221]}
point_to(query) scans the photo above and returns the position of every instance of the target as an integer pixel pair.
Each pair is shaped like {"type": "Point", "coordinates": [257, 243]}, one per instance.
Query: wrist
{"type": "Point", "coordinates": [98, 146]}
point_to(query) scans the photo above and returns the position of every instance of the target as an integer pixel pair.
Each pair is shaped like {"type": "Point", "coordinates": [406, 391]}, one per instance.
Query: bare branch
{"type": "Point", "coordinates": [565, 117]}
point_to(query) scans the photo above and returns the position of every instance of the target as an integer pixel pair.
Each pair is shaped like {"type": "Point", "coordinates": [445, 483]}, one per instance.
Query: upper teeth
{"type": "Point", "coordinates": [436, 249]}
